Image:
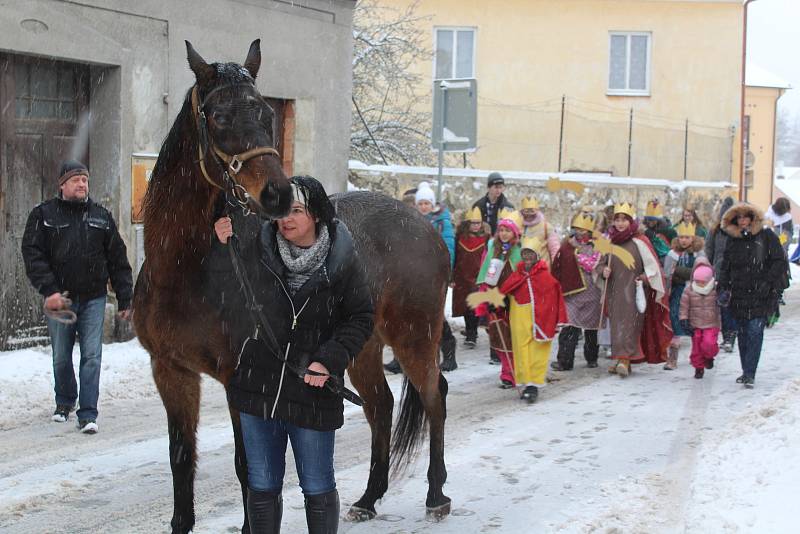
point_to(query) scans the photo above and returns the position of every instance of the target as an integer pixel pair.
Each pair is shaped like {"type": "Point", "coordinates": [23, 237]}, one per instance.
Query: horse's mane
{"type": "Point", "coordinates": [173, 174]}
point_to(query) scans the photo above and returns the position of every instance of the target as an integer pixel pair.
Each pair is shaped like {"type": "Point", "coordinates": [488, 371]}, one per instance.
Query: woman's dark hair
{"type": "Point", "coordinates": [781, 206]}
{"type": "Point", "coordinates": [696, 220]}
{"type": "Point", "coordinates": [316, 199]}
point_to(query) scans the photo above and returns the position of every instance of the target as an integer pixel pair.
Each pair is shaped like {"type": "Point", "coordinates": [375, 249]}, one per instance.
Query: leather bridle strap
{"type": "Point", "coordinates": [234, 163]}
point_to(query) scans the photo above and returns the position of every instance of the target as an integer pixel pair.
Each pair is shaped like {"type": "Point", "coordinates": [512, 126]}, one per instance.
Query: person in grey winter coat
{"type": "Point", "coordinates": [715, 248]}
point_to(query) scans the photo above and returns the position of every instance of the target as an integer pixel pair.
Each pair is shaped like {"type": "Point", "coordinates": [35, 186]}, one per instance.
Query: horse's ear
{"type": "Point", "coordinates": [203, 72]}
{"type": "Point", "coordinates": [253, 61]}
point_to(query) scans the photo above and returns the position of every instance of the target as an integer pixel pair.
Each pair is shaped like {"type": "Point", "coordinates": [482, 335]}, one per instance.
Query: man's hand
{"type": "Point", "coordinates": [224, 229]}
{"type": "Point", "coordinates": [125, 315]}
{"type": "Point", "coordinates": [55, 302]}
{"type": "Point", "coordinates": [606, 272]}
{"type": "Point", "coordinates": [316, 381]}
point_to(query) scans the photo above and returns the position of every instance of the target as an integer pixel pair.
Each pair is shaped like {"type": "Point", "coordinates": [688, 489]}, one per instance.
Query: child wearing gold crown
{"type": "Point", "coordinates": [574, 266]}
{"type": "Point", "coordinates": [536, 309]}
{"type": "Point", "coordinates": [502, 257]}
{"type": "Point", "coordinates": [535, 225]}
{"type": "Point", "coordinates": [471, 239]}
{"type": "Point", "coordinates": [687, 249]}
{"type": "Point", "coordinates": [636, 336]}
{"type": "Point", "coordinates": [657, 229]}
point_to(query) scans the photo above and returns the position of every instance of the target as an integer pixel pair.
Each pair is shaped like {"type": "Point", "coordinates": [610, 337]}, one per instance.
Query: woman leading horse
{"type": "Point", "coordinates": [320, 309]}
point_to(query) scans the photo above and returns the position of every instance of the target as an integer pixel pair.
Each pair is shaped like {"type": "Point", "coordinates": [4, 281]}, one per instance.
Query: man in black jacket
{"type": "Point", "coordinates": [751, 279]}
{"type": "Point", "coordinates": [71, 247]}
{"type": "Point", "coordinates": [494, 200]}
{"type": "Point", "coordinates": [490, 206]}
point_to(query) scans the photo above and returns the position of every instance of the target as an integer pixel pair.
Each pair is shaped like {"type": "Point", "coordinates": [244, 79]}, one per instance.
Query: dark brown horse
{"type": "Point", "coordinates": [225, 126]}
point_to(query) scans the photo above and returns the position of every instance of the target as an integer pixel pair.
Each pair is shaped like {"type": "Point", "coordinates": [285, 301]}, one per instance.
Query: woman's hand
{"type": "Point", "coordinates": [606, 272]}
{"type": "Point", "coordinates": [224, 229]}
{"type": "Point", "coordinates": [316, 381]}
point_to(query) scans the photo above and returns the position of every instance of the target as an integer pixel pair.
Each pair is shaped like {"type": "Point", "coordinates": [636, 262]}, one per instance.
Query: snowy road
{"type": "Point", "coordinates": [657, 452]}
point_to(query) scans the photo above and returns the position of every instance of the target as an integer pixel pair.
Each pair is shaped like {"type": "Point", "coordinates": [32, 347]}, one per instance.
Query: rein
{"type": "Point", "coordinates": [232, 164]}
{"type": "Point", "coordinates": [334, 384]}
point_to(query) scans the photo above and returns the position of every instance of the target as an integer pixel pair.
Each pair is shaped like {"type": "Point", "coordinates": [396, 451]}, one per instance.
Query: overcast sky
{"type": "Point", "coordinates": [772, 41]}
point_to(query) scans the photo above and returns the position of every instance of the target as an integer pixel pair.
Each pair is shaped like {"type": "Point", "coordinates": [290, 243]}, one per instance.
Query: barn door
{"type": "Point", "coordinates": [41, 105]}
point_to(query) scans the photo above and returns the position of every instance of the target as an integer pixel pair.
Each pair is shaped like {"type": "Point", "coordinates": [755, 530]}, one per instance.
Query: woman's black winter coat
{"type": "Point", "coordinates": [328, 321]}
{"type": "Point", "coordinates": [754, 265]}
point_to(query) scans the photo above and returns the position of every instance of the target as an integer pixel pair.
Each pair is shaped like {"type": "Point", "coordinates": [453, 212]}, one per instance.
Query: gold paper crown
{"type": "Point", "coordinates": [583, 221]}
{"type": "Point", "coordinates": [511, 215]}
{"type": "Point", "coordinates": [474, 215]}
{"type": "Point", "coordinates": [530, 203]}
{"type": "Point", "coordinates": [686, 229]}
{"type": "Point", "coordinates": [531, 243]}
{"type": "Point", "coordinates": [654, 209]}
{"type": "Point", "coordinates": [625, 208]}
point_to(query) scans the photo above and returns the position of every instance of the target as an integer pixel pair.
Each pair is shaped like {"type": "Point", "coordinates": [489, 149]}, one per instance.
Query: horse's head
{"type": "Point", "coordinates": [236, 132]}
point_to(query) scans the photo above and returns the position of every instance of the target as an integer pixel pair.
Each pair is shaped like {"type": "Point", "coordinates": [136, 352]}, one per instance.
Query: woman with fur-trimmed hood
{"type": "Point", "coordinates": [751, 279]}
{"type": "Point", "coordinates": [686, 249]}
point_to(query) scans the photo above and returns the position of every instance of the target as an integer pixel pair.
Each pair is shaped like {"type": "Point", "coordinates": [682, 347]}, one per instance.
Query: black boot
{"type": "Point", "coordinates": [698, 372]}
{"type": "Point", "coordinates": [448, 347]}
{"type": "Point", "coordinates": [322, 513]}
{"type": "Point", "coordinates": [530, 394]}
{"type": "Point", "coordinates": [393, 367]}
{"type": "Point", "coordinates": [264, 511]}
{"type": "Point", "coordinates": [567, 341]}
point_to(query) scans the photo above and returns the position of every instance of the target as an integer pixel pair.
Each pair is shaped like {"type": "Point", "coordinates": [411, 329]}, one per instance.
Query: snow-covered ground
{"type": "Point", "coordinates": [657, 452]}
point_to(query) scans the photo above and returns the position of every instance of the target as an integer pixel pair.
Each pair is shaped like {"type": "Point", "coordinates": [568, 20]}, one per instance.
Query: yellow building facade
{"type": "Point", "coordinates": [761, 99]}
{"type": "Point", "coordinates": [643, 88]}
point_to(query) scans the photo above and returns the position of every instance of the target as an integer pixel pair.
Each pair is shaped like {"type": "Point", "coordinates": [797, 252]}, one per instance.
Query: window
{"type": "Point", "coordinates": [46, 90]}
{"type": "Point", "coordinates": [629, 63]}
{"type": "Point", "coordinates": [455, 53]}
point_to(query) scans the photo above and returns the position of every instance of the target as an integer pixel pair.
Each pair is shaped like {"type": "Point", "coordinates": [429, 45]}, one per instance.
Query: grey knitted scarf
{"type": "Point", "coordinates": [303, 262]}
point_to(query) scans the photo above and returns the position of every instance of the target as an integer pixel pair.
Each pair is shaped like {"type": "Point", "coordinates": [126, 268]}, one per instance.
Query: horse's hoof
{"type": "Point", "coordinates": [359, 515]}
{"type": "Point", "coordinates": [437, 513]}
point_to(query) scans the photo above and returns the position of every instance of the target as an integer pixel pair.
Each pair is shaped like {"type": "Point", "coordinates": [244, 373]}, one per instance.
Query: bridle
{"type": "Point", "coordinates": [229, 165]}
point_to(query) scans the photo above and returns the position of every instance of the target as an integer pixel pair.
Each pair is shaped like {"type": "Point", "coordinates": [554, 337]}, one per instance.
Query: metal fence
{"type": "Point", "coordinates": [572, 135]}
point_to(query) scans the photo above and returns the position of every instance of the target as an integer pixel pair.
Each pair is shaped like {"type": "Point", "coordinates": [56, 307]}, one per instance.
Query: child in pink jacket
{"type": "Point", "coordinates": [699, 315]}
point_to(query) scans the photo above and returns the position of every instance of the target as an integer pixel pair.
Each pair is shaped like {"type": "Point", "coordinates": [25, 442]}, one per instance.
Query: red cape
{"type": "Point", "coordinates": [657, 331]}
{"type": "Point", "coordinates": [550, 310]}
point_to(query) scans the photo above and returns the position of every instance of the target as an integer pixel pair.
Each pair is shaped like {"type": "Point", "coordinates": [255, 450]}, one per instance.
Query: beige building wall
{"type": "Point", "coordinates": [528, 53]}
{"type": "Point", "coordinates": [760, 106]}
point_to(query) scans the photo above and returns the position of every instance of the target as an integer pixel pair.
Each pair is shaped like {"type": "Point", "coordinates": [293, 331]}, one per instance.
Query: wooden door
{"type": "Point", "coordinates": [42, 103]}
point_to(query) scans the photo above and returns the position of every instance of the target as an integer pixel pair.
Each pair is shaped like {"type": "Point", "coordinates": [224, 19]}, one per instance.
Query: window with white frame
{"type": "Point", "coordinates": [455, 53]}
{"type": "Point", "coordinates": [629, 63]}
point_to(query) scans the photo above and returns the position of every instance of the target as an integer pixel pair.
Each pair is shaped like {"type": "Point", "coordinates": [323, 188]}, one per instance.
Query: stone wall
{"type": "Point", "coordinates": [460, 193]}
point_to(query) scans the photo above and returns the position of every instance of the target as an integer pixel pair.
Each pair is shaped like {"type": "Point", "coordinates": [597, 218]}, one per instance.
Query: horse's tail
{"type": "Point", "coordinates": [409, 428]}
{"type": "Point", "coordinates": [411, 424]}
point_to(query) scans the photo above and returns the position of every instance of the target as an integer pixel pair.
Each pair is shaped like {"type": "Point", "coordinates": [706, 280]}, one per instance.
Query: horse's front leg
{"type": "Point", "coordinates": [180, 393]}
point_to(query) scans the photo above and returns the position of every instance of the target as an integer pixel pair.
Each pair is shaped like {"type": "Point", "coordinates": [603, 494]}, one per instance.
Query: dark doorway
{"type": "Point", "coordinates": [42, 104]}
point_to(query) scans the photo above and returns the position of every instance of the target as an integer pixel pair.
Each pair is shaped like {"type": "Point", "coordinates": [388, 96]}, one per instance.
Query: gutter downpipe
{"type": "Point", "coordinates": [742, 191]}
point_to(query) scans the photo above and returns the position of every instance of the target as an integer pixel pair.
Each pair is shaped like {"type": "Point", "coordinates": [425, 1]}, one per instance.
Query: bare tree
{"type": "Point", "coordinates": [788, 138]}
{"type": "Point", "coordinates": [391, 117]}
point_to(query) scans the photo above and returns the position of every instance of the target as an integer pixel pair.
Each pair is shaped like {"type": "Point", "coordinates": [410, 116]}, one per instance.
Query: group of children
{"type": "Point", "coordinates": [650, 292]}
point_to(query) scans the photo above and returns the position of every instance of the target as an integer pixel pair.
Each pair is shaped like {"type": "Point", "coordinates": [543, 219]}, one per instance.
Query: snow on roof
{"type": "Point", "coordinates": [790, 188]}
{"type": "Point", "coordinates": [759, 77]}
{"type": "Point", "coordinates": [791, 173]}
{"type": "Point", "coordinates": [583, 178]}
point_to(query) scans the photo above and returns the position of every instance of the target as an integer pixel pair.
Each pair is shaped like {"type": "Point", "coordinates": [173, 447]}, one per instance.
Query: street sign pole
{"type": "Point", "coordinates": [455, 116]}
{"type": "Point", "coordinates": [440, 178]}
